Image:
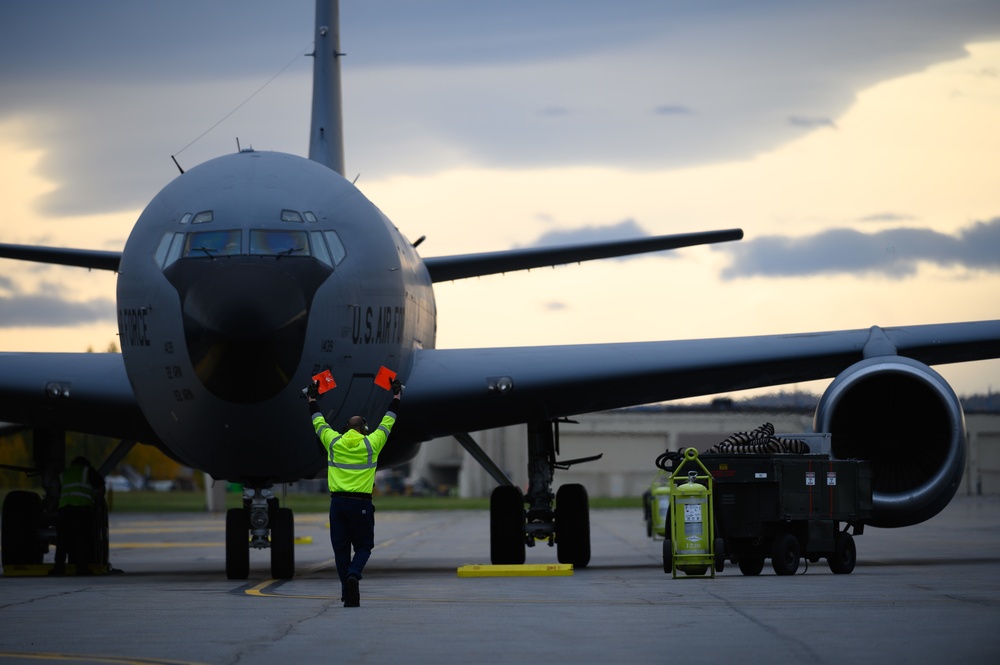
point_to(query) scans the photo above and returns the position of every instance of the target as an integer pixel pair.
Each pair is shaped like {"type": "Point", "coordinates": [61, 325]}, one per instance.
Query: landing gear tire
{"type": "Point", "coordinates": [237, 544]}
{"type": "Point", "coordinates": [573, 525]}
{"type": "Point", "coordinates": [22, 513]}
{"type": "Point", "coordinates": [751, 565]}
{"type": "Point", "coordinates": [507, 526]}
{"type": "Point", "coordinates": [785, 554]}
{"type": "Point", "coordinates": [845, 554]}
{"type": "Point", "coordinates": [103, 538]}
{"type": "Point", "coordinates": [282, 544]}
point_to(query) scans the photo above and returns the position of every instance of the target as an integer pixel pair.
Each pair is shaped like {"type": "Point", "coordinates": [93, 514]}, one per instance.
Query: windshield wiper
{"type": "Point", "coordinates": [289, 251]}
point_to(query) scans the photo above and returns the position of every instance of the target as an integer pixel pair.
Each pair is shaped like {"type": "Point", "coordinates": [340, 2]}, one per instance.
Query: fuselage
{"type": "Point", "coordinates": [243, 278]}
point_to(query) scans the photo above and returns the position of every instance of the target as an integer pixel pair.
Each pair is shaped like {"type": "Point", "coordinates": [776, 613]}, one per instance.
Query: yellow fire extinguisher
{"type": "Point", "coordinates": [692, 528]}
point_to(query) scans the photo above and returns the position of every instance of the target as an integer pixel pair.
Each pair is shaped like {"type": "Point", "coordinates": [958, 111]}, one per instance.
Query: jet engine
{"type": "Point", "coordinates": [906, 420]}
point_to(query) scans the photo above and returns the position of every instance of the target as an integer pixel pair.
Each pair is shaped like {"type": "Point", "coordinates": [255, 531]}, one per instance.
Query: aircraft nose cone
{"type": "Point", "coordinates": [245, 331]}
{"type": "Point", "coordinates": [244, 325]}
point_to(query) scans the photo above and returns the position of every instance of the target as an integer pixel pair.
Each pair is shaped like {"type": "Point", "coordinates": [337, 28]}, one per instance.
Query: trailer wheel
{"type": "Point", "coordinates": [647, 512]}
{"type": "Point", "coordinates": [751, 565]}
{"type": "Point", "coordinates": [720, 555]}
{"type": "Point", "coordinates": [668, 555]}
{"type": "Point", "coordinates": [845, 554]}
{"type": "Point", "coordinates": [785, 554]}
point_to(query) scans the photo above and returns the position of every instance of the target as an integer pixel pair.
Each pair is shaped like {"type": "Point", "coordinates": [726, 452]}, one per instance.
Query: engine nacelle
{"type": "Point", "coordinates": [906, 420]}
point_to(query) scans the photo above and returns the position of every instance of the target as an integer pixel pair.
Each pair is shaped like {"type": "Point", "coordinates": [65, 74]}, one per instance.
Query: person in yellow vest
{"type": "Point", "coordinates": [80, 487]}
{"type": "Point", "coordinates": [351, 460]}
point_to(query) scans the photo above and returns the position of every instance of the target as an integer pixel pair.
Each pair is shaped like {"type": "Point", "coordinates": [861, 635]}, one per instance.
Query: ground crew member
{"type": "Point", "coordinates": [80, 487]}
{"type": "Point", "coordinates": [351, 459]}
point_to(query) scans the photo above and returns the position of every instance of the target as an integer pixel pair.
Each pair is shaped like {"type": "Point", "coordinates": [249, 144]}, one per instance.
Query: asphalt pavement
{"type": "Point", "coordinates": [923, 594]}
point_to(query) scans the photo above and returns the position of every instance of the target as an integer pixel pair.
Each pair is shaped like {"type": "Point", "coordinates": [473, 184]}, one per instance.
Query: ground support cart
{"type": "Point", "coordinates": [787, 507]}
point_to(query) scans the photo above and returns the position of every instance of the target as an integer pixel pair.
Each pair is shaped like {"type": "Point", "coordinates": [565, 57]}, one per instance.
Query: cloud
{"type": "Point", "coordinates": [555, 111]}
{"type": "Point", "coordinates": [894, 252]}
{"type": "Point", "coordinates": [810, 123]}
{"type": "Point", "coordinates": [624, 230]}
{"type": "Point", "coordinates": [465, 74]}
{"type": "Point", "coordinates": [887, 217]}
{"type": "Point", "coordinates": [672, 109]}
{"type": "Point", "coordinates": [22, 311]}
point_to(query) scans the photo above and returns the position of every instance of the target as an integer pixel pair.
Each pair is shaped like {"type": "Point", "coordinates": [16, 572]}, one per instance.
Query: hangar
{"type": "Point", "coordinates": [631, 439]}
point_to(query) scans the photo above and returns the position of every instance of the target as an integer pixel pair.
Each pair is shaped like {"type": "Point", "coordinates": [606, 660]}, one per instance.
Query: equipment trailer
{"type": "Point", "coordinates": [786, 507]}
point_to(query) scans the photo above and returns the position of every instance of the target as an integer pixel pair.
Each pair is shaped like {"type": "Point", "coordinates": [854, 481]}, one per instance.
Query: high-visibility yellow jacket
{"type": "Point", "coordinates": [351, 457]}
{"type": "Point", "coordinates": [77, 489]}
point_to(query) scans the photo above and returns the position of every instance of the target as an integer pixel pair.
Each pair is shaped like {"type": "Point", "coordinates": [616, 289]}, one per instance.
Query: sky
{"type": "Point", "coordinates": [855, 143]}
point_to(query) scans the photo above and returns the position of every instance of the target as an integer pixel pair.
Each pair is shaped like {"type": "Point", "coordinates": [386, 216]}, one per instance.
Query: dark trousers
{"type": "Point", "coordinates": [352, 524]}
{"type": "Point", "coordinates": [75, 536]}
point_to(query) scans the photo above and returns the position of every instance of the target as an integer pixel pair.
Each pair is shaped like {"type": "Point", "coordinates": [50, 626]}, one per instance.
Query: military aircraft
{"type": "Point", "coordinates": [251, 273]}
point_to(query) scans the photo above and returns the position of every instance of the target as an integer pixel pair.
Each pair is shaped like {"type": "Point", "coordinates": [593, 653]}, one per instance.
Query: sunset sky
{"type": "Point", "coordinates": [855, 143]}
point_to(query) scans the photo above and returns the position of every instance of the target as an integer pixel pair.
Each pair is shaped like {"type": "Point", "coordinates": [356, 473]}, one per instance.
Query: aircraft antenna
{"type": "Point", "coordinates": [298, 55]}
{"type": "Point", "coordinates": [177, 164]}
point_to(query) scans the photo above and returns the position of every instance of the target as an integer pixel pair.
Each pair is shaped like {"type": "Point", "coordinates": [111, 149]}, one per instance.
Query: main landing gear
{"type": "Point", "coordinates": [28, 523]}
{"type": "Point", "coordinates": [566, 525]}
{"type": "Point", "coordinates": [260, 524]}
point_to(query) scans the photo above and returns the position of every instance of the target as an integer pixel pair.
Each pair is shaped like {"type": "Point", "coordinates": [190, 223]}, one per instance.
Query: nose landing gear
{"type": "Point", "coordinates": [260, 524]}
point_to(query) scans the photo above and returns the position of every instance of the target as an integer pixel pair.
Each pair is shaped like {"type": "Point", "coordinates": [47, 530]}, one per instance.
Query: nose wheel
{"type": "Point", "coordinates": [260, 524]}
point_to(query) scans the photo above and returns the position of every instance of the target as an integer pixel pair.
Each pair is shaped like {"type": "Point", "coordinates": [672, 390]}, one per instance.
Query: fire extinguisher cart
{"type": "Point", "coordinates": [787, 507]}
{"type": "Point", "coordinates": [691, 544]}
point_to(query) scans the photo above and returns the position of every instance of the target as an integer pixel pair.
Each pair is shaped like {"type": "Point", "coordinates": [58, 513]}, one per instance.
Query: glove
{"type": "Point", "coordinates": [312, 392]}
{"type": "Point", "coordinates": [397, 386]}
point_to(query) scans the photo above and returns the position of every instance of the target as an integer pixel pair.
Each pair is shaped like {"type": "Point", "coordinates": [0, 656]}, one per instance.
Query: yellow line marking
{"type": "Point", "coordinates": [523, 570]}
{"type": "Point", "coordinates": [122, 660]}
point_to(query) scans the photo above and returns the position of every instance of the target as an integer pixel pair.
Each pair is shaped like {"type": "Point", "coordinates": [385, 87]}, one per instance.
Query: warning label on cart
{"type": "Point", "coordinates": [810, 477]}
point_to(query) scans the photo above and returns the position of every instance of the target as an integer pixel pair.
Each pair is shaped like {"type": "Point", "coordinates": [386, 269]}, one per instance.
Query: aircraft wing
{"type": "Point", "coordinates": [441, 269]}
{"type": "Point", "coordinates": [79, 392]}
{"type": "Point", "coordinates": [446, 268]}
{"type": "Point", "coordinates": [461, 390]}
{"type": "Point", "coordinates": [81, 258]}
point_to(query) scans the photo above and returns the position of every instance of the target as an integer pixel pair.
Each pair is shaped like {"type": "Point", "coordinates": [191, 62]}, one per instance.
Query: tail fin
{"type": "Point", "coordinates": [326, 138]}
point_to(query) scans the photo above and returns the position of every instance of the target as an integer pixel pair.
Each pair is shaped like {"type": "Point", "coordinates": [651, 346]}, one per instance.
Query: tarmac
{"type": "Point", "coordinates": [923, 594]}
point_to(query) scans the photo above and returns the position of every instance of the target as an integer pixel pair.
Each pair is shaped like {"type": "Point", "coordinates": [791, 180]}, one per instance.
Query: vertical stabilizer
{"type": "Point", "coordinates": [326, 136]}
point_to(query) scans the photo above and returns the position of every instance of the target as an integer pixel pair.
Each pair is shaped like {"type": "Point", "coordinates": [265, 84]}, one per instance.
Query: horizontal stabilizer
{"type": "Point", "coordinates": [462, 266]}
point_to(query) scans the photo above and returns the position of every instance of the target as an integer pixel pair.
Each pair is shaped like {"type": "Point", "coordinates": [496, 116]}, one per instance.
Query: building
{"type": "Point", "coordinates": [632, 439]}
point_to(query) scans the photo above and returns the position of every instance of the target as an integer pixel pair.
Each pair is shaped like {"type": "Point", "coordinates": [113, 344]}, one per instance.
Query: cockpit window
{"type": "Point", "coordinates": [291, 216]}
{"type": "Point", "coordinates": [310, 216]}
{"type": "Point", "coordinates": [279, 243]}
{"type": "Point", "coordinates": [169, 249]}
{"type": "Point", "coordinates": [202, 217]}
{"type": "Point", "coordinates": [336, 247]}
{"type": "Point", "coordinates": [212, 243]}
{"type": "Point", "coordinates": [319, 247]}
